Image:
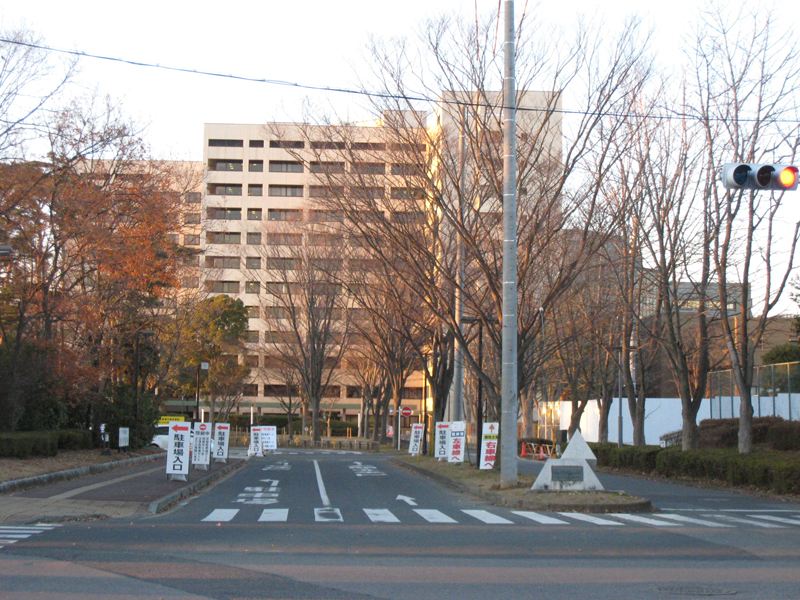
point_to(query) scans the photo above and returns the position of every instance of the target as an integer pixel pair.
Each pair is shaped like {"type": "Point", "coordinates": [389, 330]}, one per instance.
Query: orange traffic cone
{"type": "Point", "coordinates": [524, 451]}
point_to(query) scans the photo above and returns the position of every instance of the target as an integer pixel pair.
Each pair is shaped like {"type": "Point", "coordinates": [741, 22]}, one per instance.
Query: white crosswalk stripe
{"type": "Point", "coordinates": [543, 519]}
{"type": "Point", "coordinates": [718, 519]}
{"type": "Point", "coordinates": [381, 515]}
{"type": "Point", "coordinates": [434, 516]}
{"type": "Point", "coordinates": [487, 517]}
{"type": "Point", "coordinates": [589, 519]}
{"type": "Point", "coordinates": [11, 534]}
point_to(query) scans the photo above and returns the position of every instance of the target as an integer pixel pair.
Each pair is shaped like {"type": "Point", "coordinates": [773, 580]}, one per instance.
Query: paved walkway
{"type": "Point", "coordinates": [133, 490]}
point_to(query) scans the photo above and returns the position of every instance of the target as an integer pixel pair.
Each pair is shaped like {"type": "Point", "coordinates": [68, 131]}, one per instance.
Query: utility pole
{"type": "Point", "coordinates": [509, 381]}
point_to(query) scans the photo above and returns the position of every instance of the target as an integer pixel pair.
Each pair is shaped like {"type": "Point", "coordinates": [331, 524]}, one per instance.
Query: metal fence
{"type": "Point", "coordinates": [775, 392]}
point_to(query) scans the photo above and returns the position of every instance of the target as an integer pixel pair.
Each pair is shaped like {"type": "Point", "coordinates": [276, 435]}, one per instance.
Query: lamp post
{"type": "Point", "coordinates": [619, 395]}
{"type": "Point", "coordinates": [136, 379]}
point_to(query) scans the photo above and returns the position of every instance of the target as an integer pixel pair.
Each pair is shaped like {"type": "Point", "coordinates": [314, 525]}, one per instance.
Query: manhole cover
{"type": "Point", "coordinates": [695, 591]}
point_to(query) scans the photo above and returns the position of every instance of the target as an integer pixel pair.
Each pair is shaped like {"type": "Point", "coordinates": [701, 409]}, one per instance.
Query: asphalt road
{"type": "Point", "coordinates": [327, 524]}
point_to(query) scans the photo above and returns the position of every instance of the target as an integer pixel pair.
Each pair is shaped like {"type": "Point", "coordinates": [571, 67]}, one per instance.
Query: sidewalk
{"type": "Point", "coordinates": [135, 487]}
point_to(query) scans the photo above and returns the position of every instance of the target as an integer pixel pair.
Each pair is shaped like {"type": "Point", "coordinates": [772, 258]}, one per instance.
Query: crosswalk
{"type": "Point", "coordinates": [11, 534]}
{"type": "Point", "coordinates": [503, 517]}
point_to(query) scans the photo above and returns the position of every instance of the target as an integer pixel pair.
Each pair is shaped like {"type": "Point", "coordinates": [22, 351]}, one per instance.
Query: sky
{"type": "Point", "coordinates": [311, 42]}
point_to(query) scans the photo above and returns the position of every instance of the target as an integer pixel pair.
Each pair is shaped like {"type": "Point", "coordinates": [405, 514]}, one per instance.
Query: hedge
{"type": "Point", "coordinates": [772, 471]}
{"type": "Point", "coordinates": [26, 444]}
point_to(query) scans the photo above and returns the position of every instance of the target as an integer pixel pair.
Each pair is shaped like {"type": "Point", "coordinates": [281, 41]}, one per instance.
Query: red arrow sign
{"type": "Point", "coordinates": [176, 428]}
{"type": "Point", "coordinates": [491, 428]}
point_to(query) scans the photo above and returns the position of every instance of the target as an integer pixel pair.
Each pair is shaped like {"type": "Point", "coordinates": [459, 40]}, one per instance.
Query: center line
{"type": "Point", "coordinates": [322, 493]}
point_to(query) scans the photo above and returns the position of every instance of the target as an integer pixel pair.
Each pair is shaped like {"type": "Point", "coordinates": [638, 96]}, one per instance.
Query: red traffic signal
{"type": "Point", "coordinates": [737, 176]}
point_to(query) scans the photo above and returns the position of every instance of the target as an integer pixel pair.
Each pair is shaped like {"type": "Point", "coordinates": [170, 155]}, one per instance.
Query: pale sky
{"type": "Point", "coordinates": [313, 42]}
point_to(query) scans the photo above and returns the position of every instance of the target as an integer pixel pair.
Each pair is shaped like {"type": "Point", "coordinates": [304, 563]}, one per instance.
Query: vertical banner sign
{"type": "Point", "coordinates": [124, 437]}
{"type": "Point", "coordinates": [457, 442]}
{"type": "Point", "coordinates": [489, 445]}
{"type": "Point", "coordinates": [201, 452]}
{"type": "Point", "coordinates": [222, 434]}
{"type": "Point", "coordinates": [442, 437]}
{"type": "Point", "coordinates": [255, 441]}
{"type": "Point", "coordinates": [178, 451]}
{"type": "Point", "coordinates": [415, 443]}
{"type": "Point", "coordinates": [269, 438]}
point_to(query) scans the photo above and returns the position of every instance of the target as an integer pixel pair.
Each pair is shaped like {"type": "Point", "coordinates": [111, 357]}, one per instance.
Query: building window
{"type": "Point", "coordinates": [286, 144]}
{"type": "Point", "coordinates": [172, 238]}
{"type": "Point", "coordinates": [222, 262]}
{"type": "Point", "coordinates": [285, 239]}
{"type": "Point", "coordinates": [327, 145]}
{"type": "Point", "coordinates": [276, 312]}
{"type": "Point", "coordinates": [406, 169]}
{"type": "Point", "coordinates": [408, 217]}
{"type": "Point", "coordinates": [193, 197]}
{"type": "Point", "coordinates": [280, 391]}
{"type": "Point", "coordinates": [293, 191]}
{"type": "Point", "coordinates": [251, 336]}
{"type": "Point", "coordinates": [325, 191]}
{"type": "Point", "coordinates": [252, 312]}
{"type": "Point", "coordinates": [332, 391]}
{"type": "Point", "coordinates": [250, 389]}
{"type": "Point", "coordinates": [285, 166]}
{"type": "Point", "coordinates": [326, 167]}
{"type": "Point", "coordinates": [324, 239]}
{"type": "Point", "coordinates": [251, 287]}
{"type": "Point", "coordinates": [191, 239]}
{"type": "Point", "coordinates": [222, 287]}
{"type": "Point", "coordinates": [412, 393]}
{"type": "Point", "coordinates": [255, 166]}
{"type": "Point", "coordinates": [282, 264]}
{"type": "Point", "coordinates": [285, 214]}
{"type": "Point", "coordinates": [212, 143]}
{"type": "Point", "coordinates": [224, 189]}
{"type": "Point", "coordinates": [256, 143]}
{"type": "Point", "coordinates": [369, 168]}
{"type": "Point", "coordinates": [353, 391]}
{"type": "Point", "coordinates": [367, 193]}
{"type": "Point", "coordinates": [190, 282]}
{"type": "Point", "coordinates": [255, 189]}
{"type": "Point", "coordinates": [253, 214]}
{"type": "Point", "coordinates": [407, 193]}
{"type": "Point", "coordinates": [253, 238]}
{"type": "Point", "coordinates": [192, 218]}
{"type": "Point", "coordinates": [326, 216]}
{"type": "Point", "coordinates": [224, 237]}
{"type": "Point", "coordinates": [369, 146]}
{"type": "Point", "coordinates": [225, 165]}
{"type": "Point", "coordinates": [224, 214]}
{"type": "Point", "coordinates": [253, 262]}
{"type": "Point", "coordinates": [251, 360]}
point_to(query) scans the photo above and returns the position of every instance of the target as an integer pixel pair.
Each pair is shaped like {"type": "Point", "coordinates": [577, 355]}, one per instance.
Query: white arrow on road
{"type": "Point", "coordinates": [407, 500]}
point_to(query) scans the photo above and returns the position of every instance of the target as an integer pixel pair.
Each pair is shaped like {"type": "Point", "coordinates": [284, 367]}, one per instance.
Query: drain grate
{"type": "Point", "coordinates": [695, 591]}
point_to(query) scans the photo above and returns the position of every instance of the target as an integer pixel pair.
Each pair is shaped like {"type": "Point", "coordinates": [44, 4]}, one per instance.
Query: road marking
{"type": "Point", "coordinates": [487, 517]}
{"type": "Point", "coordinates": [544, 520]}
{"type": "Point", "coordinates": [692, 520]}
{"type": "Point", "coordinates": [273, 515]}
{"type": "Point", "coordinates": [321, 485]}
{"type": "Point", "coordinates": [645, 520]}
{"type": "Point", "coordinates": [12, 534]}
{"type": "Point", "coordinates": [590, 519]}
{"type": "Point", "coordinates": [776, 519]}
{"type": "Point", "coordinates": [408, 500]}
{"type": "Point", "coordinates": [222, 515]}
{"type": "Point", "coordinates": [434, 516]}
{"type": "Point", "coordinates": [745, 521]}
{"type": "Point", "coordinates": [327, 514]}
{"type": "Point", "coordinates": [381, 515]}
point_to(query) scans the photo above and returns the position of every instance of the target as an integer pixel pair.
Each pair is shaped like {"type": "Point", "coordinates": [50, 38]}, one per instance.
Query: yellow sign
{"type": "Point", "coordinates": [168, 420]}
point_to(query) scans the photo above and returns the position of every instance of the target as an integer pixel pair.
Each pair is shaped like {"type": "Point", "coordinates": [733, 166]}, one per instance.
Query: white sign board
{"type": "Point", "coordinates": [457, 442]}
{"type": "Point", "coordinates": [255, 441]}
{"type": "Point", "coordinates": [124, 437]}
{"type": "Point", "coordinates": [269, 437]}
{"type": "Point", "coordinates": [489, 439]}
{"type": "Point", "coordinates": [415, 443]}
{"type": "Point", "coordinates": [178, 450]}
{"type": "Point", "coordinates": [201, 451]}
{"type": "Point", "coordinates": [222, 434]}
{"type": "Point", "coordinates": [442, 437]}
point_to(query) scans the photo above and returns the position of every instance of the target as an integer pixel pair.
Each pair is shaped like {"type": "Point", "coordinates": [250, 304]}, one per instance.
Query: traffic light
{"type": "Point", "coordinates": [738, 176]}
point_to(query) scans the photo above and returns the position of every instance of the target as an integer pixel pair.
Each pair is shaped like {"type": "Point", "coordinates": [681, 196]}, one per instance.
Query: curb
{"type": "Point", "coordinates": [498, 499]}
{"type": "Point", "coordinates": [156, 506]}
{"type": "Point", "coordinates": [18, 485]}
